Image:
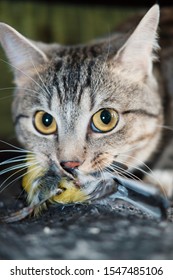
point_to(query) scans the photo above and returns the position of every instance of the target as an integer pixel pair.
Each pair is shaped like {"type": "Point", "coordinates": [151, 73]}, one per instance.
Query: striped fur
{"type": "Point", "coordinates": [72, 83]}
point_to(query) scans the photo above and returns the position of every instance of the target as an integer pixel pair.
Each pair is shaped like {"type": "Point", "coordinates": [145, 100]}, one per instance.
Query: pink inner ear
{"type": "Point", "coordinates": [136, 55]}
{"type": "Point", "coordinates": [21, 52]}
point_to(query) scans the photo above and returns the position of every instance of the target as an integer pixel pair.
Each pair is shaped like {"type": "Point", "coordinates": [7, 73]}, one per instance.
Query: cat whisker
{"type": "Point", "coordinates": [12, 151]}
{"type": "Point", "coordinates": [6, 97]}
{"type": "Point", "coordinates": [101, 169]}
{"type": "Point", "coordinates": [21, 167]}
{"type": "Point", "coordinates": [165, 127]}
{"type": "Point", "coordinates": [44, 85]}
{"type": "Point", "coordinates": [15, 147]}
{"type": "Point", "coordinates": [133, 166]}
{"type": "Point", "coordinates": [32, 173]}
{"type": "Point", "coordinates": [126, 151]}
{"type": "Point", "coordinates": [108, 170]}
{"type": "Point", "coordinates": [13, 88]}
{"type": "Point", "coordinates": [17, 150]}
{"type": "Point", "coordinates": [123, 172]}
{"type": "Point", "coordinates": [14, 180]}
{"type": "Point", "coordinates": [6, 180]}
{"type": "Point", "coordinates": [150, 173]}
{"type": "Point", "coordinates": [32, 177]}
{"type": "Point", "coordinates": [139, 162]}
{"type": "Point", "coordinates": [23, 73]}
{"type": "Point", "coordinates": [12, 168]}
{"type": "Point", "coordinates": [19, 177]}
{"type": "Point", "coordinates": [127, 155]}
{"type": "Point", "coordinates": [16, 159]}
{"type": "Point", "coordinates": [103, 178]}
{"type": "Point", "coordinates": [133, 176]}
{"type": "Point", "coordinates": [133, 148]}
{"type": "Point", "coordinates": [100, 172]}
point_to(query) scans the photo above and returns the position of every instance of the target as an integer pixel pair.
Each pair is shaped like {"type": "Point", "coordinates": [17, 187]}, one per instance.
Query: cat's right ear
{"type": "Point", "coordinates": [23, 55]}
{"type": "Point", "coordinates": [136, 56]}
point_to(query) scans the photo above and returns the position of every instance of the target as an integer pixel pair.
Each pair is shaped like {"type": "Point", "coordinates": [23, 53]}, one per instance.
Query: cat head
{"type": "Point", "coordinates": [87, 106]}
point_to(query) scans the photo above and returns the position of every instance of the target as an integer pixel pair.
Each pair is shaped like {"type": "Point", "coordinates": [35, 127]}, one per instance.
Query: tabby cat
{"type": "Point", "coordinates": [80, 110]}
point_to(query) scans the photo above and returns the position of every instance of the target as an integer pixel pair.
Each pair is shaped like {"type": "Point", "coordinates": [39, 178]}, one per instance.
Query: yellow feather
{"type": "Point", "coordinates": [33, 172]}
{"type": "Point", "coordinates": [70, 192]}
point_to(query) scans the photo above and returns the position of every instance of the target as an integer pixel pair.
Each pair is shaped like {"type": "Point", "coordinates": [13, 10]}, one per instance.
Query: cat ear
{"type": "Point", "coordinates": [137, 54]}
{"type": "Point", "coordinates": [22, 53]}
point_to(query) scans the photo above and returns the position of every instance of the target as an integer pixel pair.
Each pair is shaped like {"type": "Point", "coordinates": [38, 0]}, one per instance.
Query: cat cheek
{"type": "Point", "coordinates": [98, 163]}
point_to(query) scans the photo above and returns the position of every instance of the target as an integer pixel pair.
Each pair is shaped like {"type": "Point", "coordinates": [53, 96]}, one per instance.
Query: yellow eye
{"type": "Point", "coordinates": [104, 120]}
{"type": "Point", "coordinates": [45, 123]}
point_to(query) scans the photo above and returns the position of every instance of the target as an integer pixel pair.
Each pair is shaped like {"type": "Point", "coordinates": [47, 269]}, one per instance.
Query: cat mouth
{"type": "Point", "coordinates": [63, 187]}
{"type": "Point", "coordinates": [48, 187]}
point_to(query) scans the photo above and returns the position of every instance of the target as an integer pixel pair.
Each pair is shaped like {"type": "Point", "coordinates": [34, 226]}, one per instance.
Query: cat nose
{"type": "Point", "coordinates": [69, 166]}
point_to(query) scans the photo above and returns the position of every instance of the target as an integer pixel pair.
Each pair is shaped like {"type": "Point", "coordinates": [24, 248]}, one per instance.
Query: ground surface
{"type": "Point", "coordinates": [84, 232]}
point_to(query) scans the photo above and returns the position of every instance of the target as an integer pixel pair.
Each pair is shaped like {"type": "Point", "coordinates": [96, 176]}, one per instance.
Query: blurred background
{"type": "Point", "coordinates": [65, 22]}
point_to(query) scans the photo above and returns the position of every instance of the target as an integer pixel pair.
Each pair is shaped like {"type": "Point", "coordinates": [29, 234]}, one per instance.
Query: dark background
{"type": "Point", "coordinates": [131, 3]}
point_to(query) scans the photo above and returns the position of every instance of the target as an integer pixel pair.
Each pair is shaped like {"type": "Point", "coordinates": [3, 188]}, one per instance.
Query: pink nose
{"type": "Point", "coordinates": [70, 164]}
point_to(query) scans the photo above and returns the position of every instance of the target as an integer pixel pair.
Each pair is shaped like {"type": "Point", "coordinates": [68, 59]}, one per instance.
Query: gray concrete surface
{"type": "Point", "coordinates": [84, 232]}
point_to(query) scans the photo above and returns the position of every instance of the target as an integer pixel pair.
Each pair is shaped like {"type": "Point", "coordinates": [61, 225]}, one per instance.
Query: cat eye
{"type": "Point", "coordinates": [104, 120]}
{"type": "Point", "coordinates": [45, 123]}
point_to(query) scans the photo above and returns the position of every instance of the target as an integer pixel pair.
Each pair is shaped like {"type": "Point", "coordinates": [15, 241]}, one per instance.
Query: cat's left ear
{"type": "Point", "coordinates": [23, 55]}
{"type": "Point", "coordinates": [137, 54]}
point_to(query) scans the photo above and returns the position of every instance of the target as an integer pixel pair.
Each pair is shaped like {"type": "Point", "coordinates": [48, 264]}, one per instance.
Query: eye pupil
{"type": "Point", "coordinates": [104, 120]}
{"type": "Point", "coordinates": [105, 116]}
{"type": "Point", "coordinates": [44, 123]}
{"type": "Point", "coordinates": [47, 119]}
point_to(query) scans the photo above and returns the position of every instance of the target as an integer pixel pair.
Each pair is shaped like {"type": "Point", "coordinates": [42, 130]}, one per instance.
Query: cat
{"type": "Point", "coordinates": [98, 108]}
